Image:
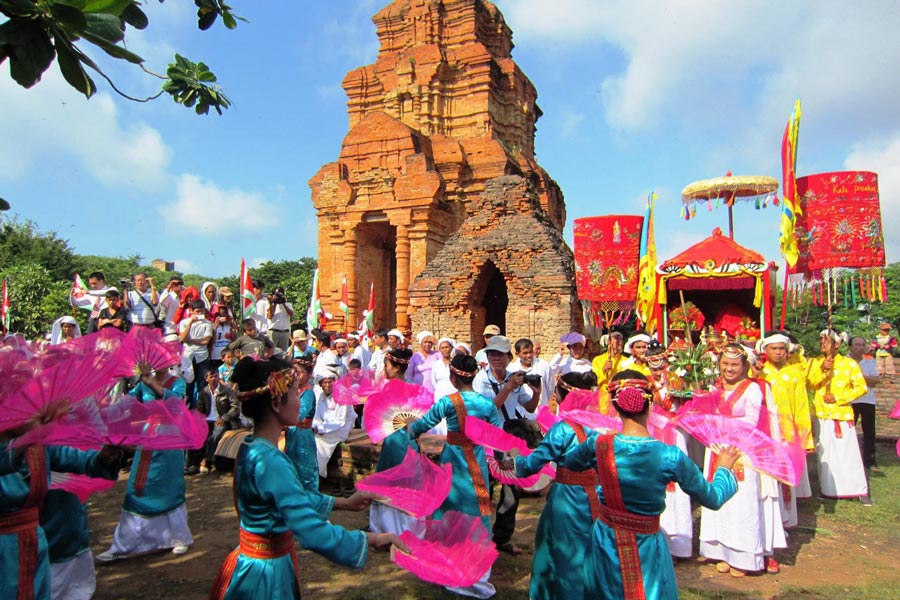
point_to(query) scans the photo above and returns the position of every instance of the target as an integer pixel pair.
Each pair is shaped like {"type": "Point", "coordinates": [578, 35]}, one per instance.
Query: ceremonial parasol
{"type": "Point", "coordinates": [731, 188]}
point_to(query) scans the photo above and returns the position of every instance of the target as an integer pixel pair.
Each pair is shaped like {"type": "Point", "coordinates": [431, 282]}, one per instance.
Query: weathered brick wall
{"type": "Point", "coordinates": [887, 392]}
{"type": "Point", "coordinates": [507, 227]}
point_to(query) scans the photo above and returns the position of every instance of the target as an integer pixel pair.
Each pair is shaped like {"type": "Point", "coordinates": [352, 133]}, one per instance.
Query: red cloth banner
{"type": "Point", "coordinates": [607, 251]}
{"type": "Point", "coordinates": [840, 226]}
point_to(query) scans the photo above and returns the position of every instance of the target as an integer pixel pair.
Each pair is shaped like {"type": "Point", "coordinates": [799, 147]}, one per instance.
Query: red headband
{"type": "Point", "coordinates": [278, 383]}
{"type": "Point", "coordinates": [461, 373]}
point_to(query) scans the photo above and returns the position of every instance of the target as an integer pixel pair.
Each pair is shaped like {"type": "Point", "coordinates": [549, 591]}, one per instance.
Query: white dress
{"type": "Point", "coordinates": [748, 528]}
{"type": "Point", "coordinates": [676, 520]}
{"type": "Point", "coordinates": [332, 425]}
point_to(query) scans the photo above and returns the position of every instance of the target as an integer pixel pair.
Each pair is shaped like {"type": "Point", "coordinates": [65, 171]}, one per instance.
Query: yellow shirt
{"type": "Point", "coordinates": [630, 363]}
{"type": "Point", "coordinates": [847, 384]}
{"type": "Point", "coordinates": [789, 390]}
{"type": "Point", "coordinates": [597, 366]}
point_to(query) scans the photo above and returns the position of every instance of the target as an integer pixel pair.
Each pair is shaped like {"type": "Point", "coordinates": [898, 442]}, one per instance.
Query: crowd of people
{"type": "Point", "coordinates": [618, 510]}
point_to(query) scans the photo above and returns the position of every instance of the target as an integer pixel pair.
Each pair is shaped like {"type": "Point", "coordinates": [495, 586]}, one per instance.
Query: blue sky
{"type": "Point", "coordinates": [636, 94]}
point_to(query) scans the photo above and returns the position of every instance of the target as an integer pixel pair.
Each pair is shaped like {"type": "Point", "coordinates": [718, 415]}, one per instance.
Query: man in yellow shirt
{"type": "Point", "coordinates": [607, 364]}
{"type": "Point", "coordinates": [789, 390]}
{"type": "Point", "coordinates": [637, 346]}
{"type": "Point", "coordinates": [837, 382]}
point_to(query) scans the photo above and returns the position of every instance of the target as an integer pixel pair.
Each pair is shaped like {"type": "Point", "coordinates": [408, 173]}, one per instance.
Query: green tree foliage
{"type": "Point", "coordinates": [22, 243]}
{"type": "Point", "coordinates": [36, 299]}
{"type": "Point", "coordinates": [295, 276]}
{"type": "Point", "coordinates": [38, 31]}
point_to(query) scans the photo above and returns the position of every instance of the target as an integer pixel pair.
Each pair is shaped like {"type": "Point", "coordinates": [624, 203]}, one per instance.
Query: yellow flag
{"type": "Point", "coordinates": [646, 296]}
{"type": "Point", "coordinates": [790, 206]}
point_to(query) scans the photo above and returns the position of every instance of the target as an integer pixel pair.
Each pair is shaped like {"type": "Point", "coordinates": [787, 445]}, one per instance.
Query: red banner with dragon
{"type": "Point", "coordinates": [607, 251]}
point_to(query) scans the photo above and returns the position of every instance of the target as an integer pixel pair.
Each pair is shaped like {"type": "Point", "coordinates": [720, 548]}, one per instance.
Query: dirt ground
{"type": "Point", "coordinates": [836, 544]}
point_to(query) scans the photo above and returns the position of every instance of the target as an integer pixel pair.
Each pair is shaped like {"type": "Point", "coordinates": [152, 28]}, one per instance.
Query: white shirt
{"type": "Point", "coordinates": [200, 329]}
{"type": "Point", "coordinates": [869, 369]}
{"type": "Point", "coordinates": [168, 304]}
{"type": "Point", "coordinates": [326, 359]}
{"type": "Point", "coordinates": [220, 341]}
{"type": "Point", "coordinates": [280, 320]}
{"type": "Point", "coordinates": [213, 411]}
{"type": "Point", "coordinates": [440, 380]}
{"type": "Point", "coordinates": [562, 365]}
{"type": "Point", "coordinates": [330, 416]}
{"type": "Point", "coordinates": [139, 312]}
{"type": "Point", "coordinates": [262, 321]}
{"type": "Point", "coordinates": [96, 299]}
{"type": "Point", "coordinates": [484, 383]}
{"type": "Point", "coordinates": [376, 362]}
{"type": "Point", "coordinates": [363, 355]}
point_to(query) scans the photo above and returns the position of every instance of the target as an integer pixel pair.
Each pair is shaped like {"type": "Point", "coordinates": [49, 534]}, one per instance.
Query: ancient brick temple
{"type": "Point", "coordinates": [436, 195]}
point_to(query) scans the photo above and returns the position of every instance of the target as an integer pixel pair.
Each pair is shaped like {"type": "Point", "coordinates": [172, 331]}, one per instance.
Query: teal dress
{"type": "Point", "coordinates": [271, 500]}
{"type": "Point", "coordinates": [64, 519]}
{"type": "Point", "coordinates": [14, 490]}
{"type": "Point", "coordinates": [164, 490]}
{"type": "Point", "coordinates": [300, 444]}
{"type": "Point", "coordinates": [564, 529]}
{"type": "Point", "coordinates": [462, 496]}
{"type": "Point", "coordinates": [645, 466]}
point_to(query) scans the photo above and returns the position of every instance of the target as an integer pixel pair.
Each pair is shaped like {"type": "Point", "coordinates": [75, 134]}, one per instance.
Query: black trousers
{"type": "Point", "coordinates": [866, 414]}
{"type": "Point", "coordinates": [507, 507]}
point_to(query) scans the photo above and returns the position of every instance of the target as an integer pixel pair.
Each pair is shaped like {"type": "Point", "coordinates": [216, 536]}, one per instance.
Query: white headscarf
{"type": "Point", "coordinates": [203, 287]}
{"type": "Point", "coordinates": [641, 337]}
{"type": "Point", "coordinates": [839, 338]}
{"type": "Point", "coordinates": [56, 329]}
{"type": "Point", "coordinates": [464, 346]}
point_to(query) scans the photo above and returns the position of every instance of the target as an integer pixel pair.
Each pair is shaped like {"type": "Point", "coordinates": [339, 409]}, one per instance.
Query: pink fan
{"type": "Point", "coordinates": [66, 383]}
{"type": "Point", "coordinates": [416, 486]}
{"type": "Point", "coordinates": [455, 551]}
{"type": "Point", "coordinates": [143, 348]}
{"type": "Point", "coordinates": [546, 419]}
{"type": "Point", "coordinates": [105, 343]}
{"type": "Point", "coordinates": [579, 399]}
{"type": "Point", "coordinates": [386, 411]}
{"type": "Point", "coordinates": [796, 451]}
{"type": "Point", "coordinates": [662, 424]}
{"type": "Point", "coordinates": [165, 424]}
{"type": "Point", "coordinates": [895, 414]}
{"type": "Point", "coordinates": [898, 447]}
{"type": "Point", "coordinates": [485, 434]}
{"type": "Point", "coordinates": [761, 452]}
{"type": "Point", "coordinates": [80, 485]}
{"type": "Point", "coordinates": [355, 388]}
{"type": "Point", "coordinates": [82, 426]}
{"type": "Point", "coordinates": [532, 483]}
{"type": "Point", "coordinates": [703, 403]}
{"type": "Point", "coordinates": [593, 420]}
{"type": "Point", "coordinates": [17, 368]}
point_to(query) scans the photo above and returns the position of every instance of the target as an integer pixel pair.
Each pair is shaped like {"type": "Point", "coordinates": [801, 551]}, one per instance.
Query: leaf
{"type": "Point", "coordinates": [77, 4]}
{"type": "Point", "coordinates": [17, 8]}
{"type": "Point", "coordinates": [228, 20]}
{"type": "Point", "coordinates": [69, 16]}
{"type": "Point", "coordinates": [206, 18]}
{"type": "Point", "coordinates": [107, 27]}
{"type": "Point", "coordinates": [134, 16]}
{"type": "Point", "coordinates": [109, 7]}
{"type": "Point", "coordinates": [113, 50]}
{"type": "Point", "coordinates": [31, 51]}
{"type": "Point", "coordinates": [71, 68]}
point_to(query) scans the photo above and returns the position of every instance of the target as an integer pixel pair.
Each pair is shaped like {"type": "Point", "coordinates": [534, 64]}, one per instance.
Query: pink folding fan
{"type": "Point", "coordinates": [386, 411]}
{"type": "Point", "coordinates": [416, 486]}
{"type": "Point", "coordinates": [144, 350]}
{"type": "Point", "coordinates": [355, 388]}
{"type": "Point", "coordinates": [455, 551]}
{"type": "Point", "coordinates": [80, 485]}
{"type": "Point", "coordinates": [761, 452]}
{"type": "Point", "coordinates": [546, 419]}
{"type": "Point", "coordinates": [485, 434]}
{"type": "Point", "coordinates": [532, 483]}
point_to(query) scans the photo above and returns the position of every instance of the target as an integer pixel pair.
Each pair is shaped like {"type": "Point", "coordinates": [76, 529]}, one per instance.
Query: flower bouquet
{"type": "Point", "coordinates": [696, 366]}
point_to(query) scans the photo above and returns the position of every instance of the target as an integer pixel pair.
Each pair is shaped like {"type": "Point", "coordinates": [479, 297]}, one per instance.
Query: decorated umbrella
{"type": "Point", "coordinates": [416, 486]}
{"type": "Point", "coordinates": [455, 551]}
{"type": "Point", "coordinates": [387, 411]}
{"type": "Point", "coordinates": [607, 254]}
{"type": "Point", "coordinates": [757, 188]}
{"type": "Point", "coordinates": [840, 241]}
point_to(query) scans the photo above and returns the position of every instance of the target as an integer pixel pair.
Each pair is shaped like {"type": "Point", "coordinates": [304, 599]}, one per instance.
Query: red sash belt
{"type": "Point", "coordinates": [838, 433]}
{"type": "Point", "coordinates": [143, 470]}
{"type": "Point", "coordinates": [629, 521]}
{"type": "Point", "coordinates": [567, 477]}
{"type": "Point", "coordinates": [254, 546]}
{"type": "Point", "coordinates": [305, 424]}
{"type": "Point", "coordinates": [458, 438]}
{"type": "Point", "coordinates": [24, 524]}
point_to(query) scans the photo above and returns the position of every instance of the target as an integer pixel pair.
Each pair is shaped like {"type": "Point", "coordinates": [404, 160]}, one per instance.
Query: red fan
{"type": "Point", "coordinates": [485, 434]}
{"type": "Point", "coordinates": [455, 551]}
{"type": "Point", "coordinates": [662, 424]}
{"type": "Point", "coordinates": [80, 485]}
{"type": "Point", "coordinates": [416, 486]}
{"type": "Point", "coordinates": [355, 388]}
{"type": "Point", "coordinates": [546, 419]}
{"type": "Point", "coordinates": [387, 411]}
{"type": "Point", "coordinates": [761, 452]}
{"type": "Point", "coordinates": [532, 483]}
{"type": "Point", "coordinates": [143, 350]}
{"type": "Point", "coordinates": [65, 384]}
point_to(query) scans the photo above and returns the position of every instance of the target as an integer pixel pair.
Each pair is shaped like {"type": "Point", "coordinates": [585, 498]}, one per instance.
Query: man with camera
{"type": "Point", "coordinates": [141, 301]}
{"type": "Point", "coordinates": [93, 299]}
{"type": "Point", "coordinates": [278, 316]}
{"type": "Point", "coordinates": [168, 304]}
{"type": "Point", "coordinates": [536, 370]}
{"type": "Point", "coordinates": [513, 397]}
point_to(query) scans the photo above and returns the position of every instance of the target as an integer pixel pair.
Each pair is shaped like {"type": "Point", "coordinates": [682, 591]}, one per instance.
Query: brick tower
{"type": "Point", "coordinates": [438, 159]}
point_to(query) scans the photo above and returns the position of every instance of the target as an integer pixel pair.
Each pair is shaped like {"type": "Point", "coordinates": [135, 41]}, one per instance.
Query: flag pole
{"type": "Point", "coordinates": [784, 294]}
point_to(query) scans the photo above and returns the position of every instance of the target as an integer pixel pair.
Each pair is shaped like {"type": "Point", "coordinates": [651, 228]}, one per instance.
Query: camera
{"type": "Point", "coordinates": [125, 282]}
{"type": "Point", "coordinates": [277, 298]}
{"type": "Point", "coordinates": [533, 379]}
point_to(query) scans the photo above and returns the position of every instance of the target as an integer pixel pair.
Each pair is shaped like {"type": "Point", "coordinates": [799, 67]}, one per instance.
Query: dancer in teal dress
{"type": "Point", "coordinates": [23, 487]}
{"type": "Point", "coordinates": [563, 531]}
{"type": "Point", "coordinates": [383, 518]}
{"type": "Point", "coordinates": [272, 504]}
{"type": "Point", "coordinates": [470, 487]}
{"type": "Point", "coordinates": [154, 514]}
{"type": "Point", "coordinates": [299, 440]}
{"type": "Point", "coordinates": [634, 471]}
{"type": "Point", "coordinates": [469, 491]}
